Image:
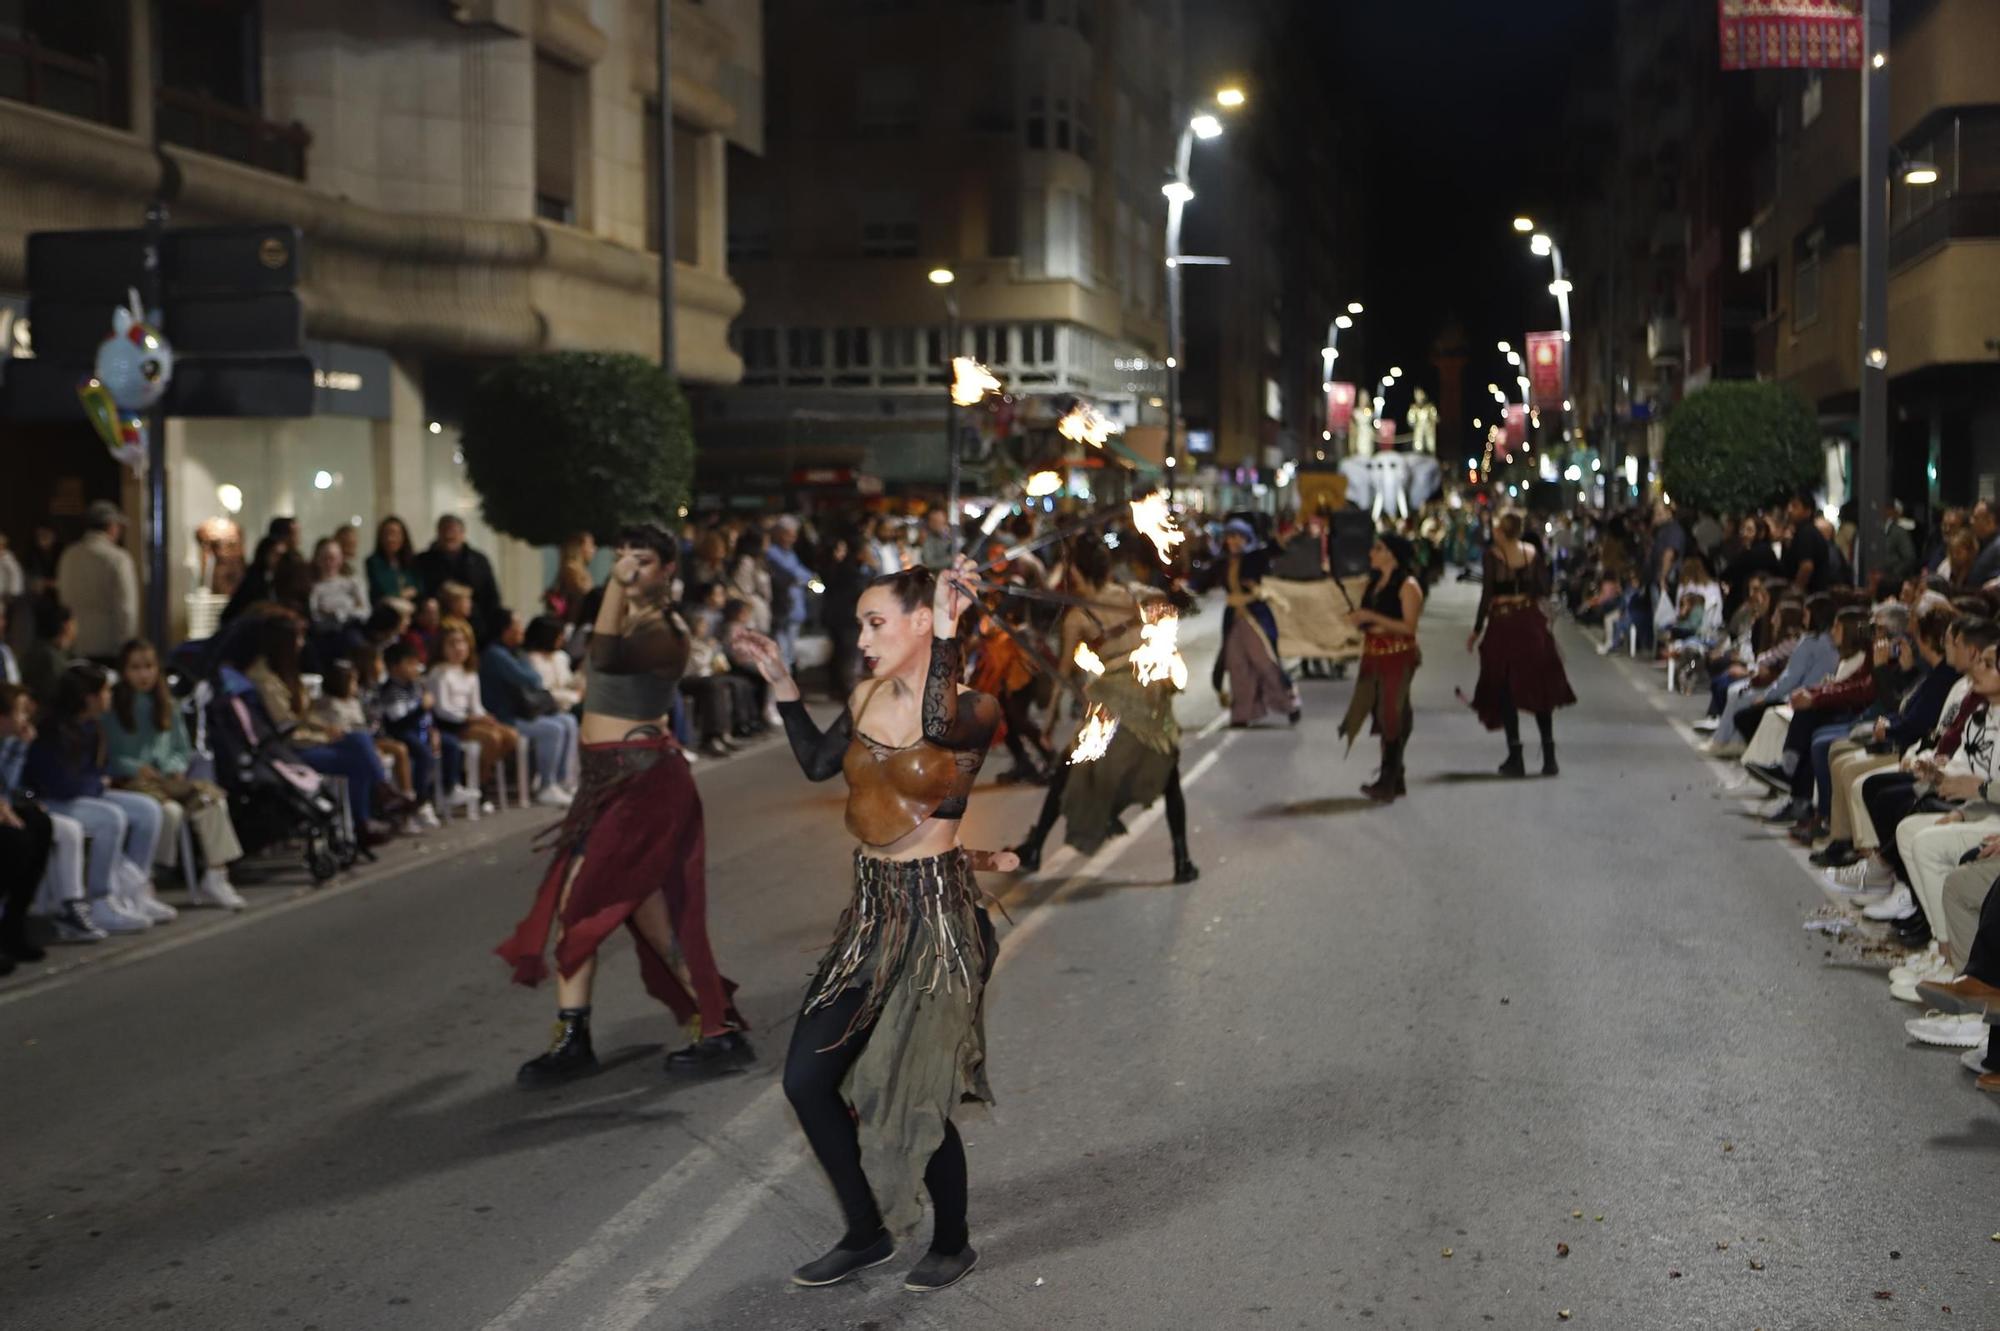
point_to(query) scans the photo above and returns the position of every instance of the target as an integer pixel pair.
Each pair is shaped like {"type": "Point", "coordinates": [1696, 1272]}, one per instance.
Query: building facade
{"type": "Point", "coordinates": [1019, 144]}
{"type": "Point", "coordinates": [473, 181]}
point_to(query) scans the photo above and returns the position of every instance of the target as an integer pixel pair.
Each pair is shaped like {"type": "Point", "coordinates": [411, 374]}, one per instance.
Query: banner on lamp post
{"type": "Point", "coordinates": [1788, 34]}
{"type": "Point", "coordinates": [1516, 437]}
{"type": "Point", "coordinates": [1340, 408]}
{"type": "Point", "coordinates": [1385, 434]}
{"type": "Point", "coordinates": [1545, 370]}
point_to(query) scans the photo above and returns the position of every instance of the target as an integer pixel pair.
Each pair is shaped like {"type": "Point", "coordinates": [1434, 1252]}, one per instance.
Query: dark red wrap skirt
{"type": "Point", "coordinates": [637, 825]}
{"type": "Point", "coordinates": [1519, 661]}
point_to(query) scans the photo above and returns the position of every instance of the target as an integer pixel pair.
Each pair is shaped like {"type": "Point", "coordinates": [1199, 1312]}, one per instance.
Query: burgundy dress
{"type": "Point", "coordinates": [1519, 664]}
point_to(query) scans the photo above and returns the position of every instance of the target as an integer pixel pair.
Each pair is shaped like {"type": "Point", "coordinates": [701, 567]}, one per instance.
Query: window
{"type": "Point", "coordinates": [561, 100]}
{"type": "Point", "coordinates": [887, 101]}
{"type": "Point", "coordinates": [687, 194]}
{"type": "Point", "coordinates": [899, 348]}
{"type": "Point", "coordinates": [805, 348]}
{"type": "Point", "coordinates": [1805, 279]}
{"type": "Point", "coordinates": [759, 349]}
{"type": "Point", "coordinates": [1086, 130]}
{"type": "Point", "coordinates": [64, 57]}
{"type": "Point", "coordinates": [850, 349]}
{"type": "Point", "coordinates": [209, 94]}
{"type": "Point", "coordinates": [749, 226]}
{"type": "Point", "coordinates": [1047, 337]}
{"type": "Point", "coordinates": [889, 227]}
{"type": "Point", "coordinates": [1036, 123]}
{"type": "Point", "coordinates": [1062, 139]}
{"type": "Point", "coordinates": [991, 344]}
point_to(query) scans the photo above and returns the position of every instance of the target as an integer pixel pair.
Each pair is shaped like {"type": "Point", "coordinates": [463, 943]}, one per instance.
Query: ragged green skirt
{"type": "Point", "coordinates": [917, 941]}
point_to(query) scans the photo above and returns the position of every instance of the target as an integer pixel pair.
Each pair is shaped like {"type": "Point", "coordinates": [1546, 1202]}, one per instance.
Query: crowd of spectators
{"type": "Point", "coordinates": [1865, 707]}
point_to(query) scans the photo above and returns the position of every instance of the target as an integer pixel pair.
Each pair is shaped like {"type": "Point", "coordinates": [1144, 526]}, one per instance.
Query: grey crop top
{"type": "Point", "coordinates": [635, 676]}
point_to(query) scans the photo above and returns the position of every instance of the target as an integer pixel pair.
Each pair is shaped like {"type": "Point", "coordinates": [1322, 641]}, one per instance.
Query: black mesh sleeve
{"type": "Point", "coordinates": [952, 719]}
{"type": "Point", "coordinates": [819, 752]}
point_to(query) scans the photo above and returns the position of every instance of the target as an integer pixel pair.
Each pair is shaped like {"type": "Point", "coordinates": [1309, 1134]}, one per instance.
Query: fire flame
{"type": "Point", "coordinates": [970, 381]}
{"type": "Point", "coordinates": [1158, 657]}
{"type": "Point", "coordinates": [1084, 424]}
{"type": "Point", "coordinates": [1044, 483]}
{"type": "Point", "coordinates": [1087, 660]}
{"type": "Point", "coordinates": [1155, 521]}
{"type": "Point", "coordinates": [1093, 741]}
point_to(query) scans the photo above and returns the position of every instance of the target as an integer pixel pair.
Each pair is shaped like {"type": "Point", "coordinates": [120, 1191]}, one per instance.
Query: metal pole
{"type": "Point", "coordinates": [151, 297]}
{"type": "Point", "coordinates": [666, 195]}
{"type": "Point", "coordinates": [1562, 304]}
{"type": "Point", "coordinates": [1175, 207]}
{"type": "Point", "coordinates": [1871, 466]}
{"type": "Point", "coordinates": [951, 446]}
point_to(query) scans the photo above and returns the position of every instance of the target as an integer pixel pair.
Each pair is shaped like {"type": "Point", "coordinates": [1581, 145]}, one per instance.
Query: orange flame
{"type": "Point", "coordinates": [1159, 657]}
{"type": "Point", "coordinates": [1155, 521]}
{"type": "Point", "coordinates": [1087, 660]}
{"type": "Point", "coordinates": [1093, 741]}
{"type": "Point", "coordinates": [971, 381]}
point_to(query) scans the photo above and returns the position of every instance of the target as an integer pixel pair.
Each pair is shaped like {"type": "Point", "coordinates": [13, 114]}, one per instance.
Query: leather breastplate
{"type": "Point", "coordinates": [891, 792]}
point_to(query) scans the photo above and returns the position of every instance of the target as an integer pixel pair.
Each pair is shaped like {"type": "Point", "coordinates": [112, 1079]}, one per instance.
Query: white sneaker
{"type": "Point", "coordinates": [215, 889]}
{"type": "Point", "coordinates": [1921, 966]}
{"type": "Point", "coordinates": [1905, 991]}
{"type": "Point", "coordinates": [465, 797]}
{"type": "Point", "coordinates": [428, 816]}
{"type": "Point", "coordinates": [1707, 725]}
{"type": "Point", "coordinates": [1950, 1031]}
{"type": "Point", "coordinates": [1974, 1058]}
{"type": "Point", "coordinates": [150, 907]}
{"type": "Point", "coordinates": [553, 797]}
{"type": "Point", "coordinates": [1862, 878]}
{"type": "Point", "coordinates": [73, 924]}
{"type": "Point", "coordinates": [1899, 905]}
{"type": "Point", "coordinates": [115, 917]}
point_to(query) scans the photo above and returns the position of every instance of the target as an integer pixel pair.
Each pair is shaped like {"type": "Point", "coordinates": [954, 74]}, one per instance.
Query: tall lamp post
{"type": "Point", "coordinates": [943, 278]}
{"type": "Point", "coordinates": [1328, 355]}
{"type": "Point", "coordinates": [666, 200]}
{"type": "Point", "coordinates": [1179, 195]}
{"type": "Point", "coordinates": [1544, 246]}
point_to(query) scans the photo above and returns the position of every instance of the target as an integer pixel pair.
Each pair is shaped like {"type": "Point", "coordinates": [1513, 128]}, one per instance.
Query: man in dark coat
{"type": "Point", "coordinates": [450, 559]}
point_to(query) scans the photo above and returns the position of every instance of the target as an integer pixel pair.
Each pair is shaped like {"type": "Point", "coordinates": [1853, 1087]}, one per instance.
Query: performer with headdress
{"type": "Point", "coordinates": [1258, 684]}
{"type": "Point", "coordinates": [891, 1038]}
{"type": "Point", "coordinates": [1142, 762]}
{"type": "Point", "coordinates": [631, 848]}
{"type": "Point", "coordinates": [1520, 667]}
{"type": "Point", "coordinates": [1387, 618]}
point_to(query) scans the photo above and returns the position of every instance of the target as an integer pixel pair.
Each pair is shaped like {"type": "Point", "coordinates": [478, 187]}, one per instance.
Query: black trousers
{"type": "Point", "coordinates": [1052, 810]}
{"type": "Point", "coordinates": [813, 1076]}
{"type": "Point", "coordinates": [1890, 797]}
{"type": "Point", "coordinates": [1749, 718]}
{"type": "Point", "coordinates": [1983, 962]}
{"type": "Point", "coordinates": [712, 698]}
{"type": "Point", "coordinates": [24, 856]}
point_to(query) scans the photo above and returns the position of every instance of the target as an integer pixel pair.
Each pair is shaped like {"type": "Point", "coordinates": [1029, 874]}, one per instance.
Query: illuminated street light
{"type": "Point", "coordinates": [1562, 286]}
{"type": "Point", "coordinates": [1354, 307]}
{"type": "Point", "coordinates": [1920, 173]}
{"type": "Point", "coordinates": [1178, 191]}
{"type": "Point", "coordinates": [1395, 371]}
{"type": "Point", "coordinates": [1505, 347]}
{"type": "Point", "coordinates": [942, 277]}
{"type": "Point", "coordinates": [1230, 98]}
{"type": "Point", "coordinates": [1206, 127]}
{"type": "Point", "coordinates": [1524, 224]}
{"type": "Point", "coordinates": [1514, 358]}
{"type": "Point", "coordinates": [1343, 322]}
{"type": "Point", "coordinates": [1542, 245]}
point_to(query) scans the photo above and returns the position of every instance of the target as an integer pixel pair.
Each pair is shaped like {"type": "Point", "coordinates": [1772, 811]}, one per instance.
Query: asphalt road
{"type": "Point", "coordinates": [1370, 1071]}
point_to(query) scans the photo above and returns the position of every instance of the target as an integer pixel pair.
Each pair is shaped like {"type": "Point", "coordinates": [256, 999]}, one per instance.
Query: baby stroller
{"type": "Point", "coordinates": [273, 796]}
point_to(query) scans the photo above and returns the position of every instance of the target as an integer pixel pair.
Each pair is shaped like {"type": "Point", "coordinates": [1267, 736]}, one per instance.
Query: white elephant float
{"type": "Point", "coordinates": [1392, 484]}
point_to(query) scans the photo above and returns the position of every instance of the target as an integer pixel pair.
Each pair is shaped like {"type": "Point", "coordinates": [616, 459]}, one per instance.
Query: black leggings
{"type": "Point", "coordinates": [1052, 809]}
{"type": "Point", "coordinates": [813, 1075]}
{"type": "Point", "coordinates": [24, 854]}
{"type": "Point", "coordinates": [1510, 721]}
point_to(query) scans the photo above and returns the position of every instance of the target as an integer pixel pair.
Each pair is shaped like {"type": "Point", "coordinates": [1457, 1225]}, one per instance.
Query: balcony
{"type": "Point", "coordinates": [1965, 217]}
{"type": "Point", "coordinates": [32, 73]}
{"type": "Point", "coordinates": [1665, 343]}
{"type": "Point", "coordinates": [193, 120]}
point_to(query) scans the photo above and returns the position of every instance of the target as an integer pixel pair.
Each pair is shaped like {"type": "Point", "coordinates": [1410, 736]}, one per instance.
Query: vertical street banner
{"type": "Point", "coordinates": [1789, 34]}
{"type": "Point", "coordinates": [1340, 408]}
{"type": "Point", "coordinates": [1385, 434]}
{"type": "Point", "coordinates": [1516, 437]}
{"type": "Point", "coordinates": [1545, 370]}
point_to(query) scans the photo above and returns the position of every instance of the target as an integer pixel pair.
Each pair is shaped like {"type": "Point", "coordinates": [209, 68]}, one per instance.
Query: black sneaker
{"type": "Point", "coordinates": [569, 1057]}
{"type": "Point", "coordinates": [1185, 871]}
{"type": "Point", "coordinates": [1836, 855]}
{"type": "Point", "coordinates": [712, 1054]}
{"type": "Point", "coordinates": [841, 1263]}
{"type": "Point", "coordinates": [938, 1271]}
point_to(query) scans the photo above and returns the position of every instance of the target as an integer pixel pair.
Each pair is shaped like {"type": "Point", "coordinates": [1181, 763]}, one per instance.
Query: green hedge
{"type": "Point", "coordinates": [1734, 446]}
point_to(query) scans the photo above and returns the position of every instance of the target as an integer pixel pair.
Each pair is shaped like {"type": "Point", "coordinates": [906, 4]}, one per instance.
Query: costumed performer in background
{"type": "Point", "coordinates": [1520, 667]}
{"type": "Point", "coordinates": [1387, 618]}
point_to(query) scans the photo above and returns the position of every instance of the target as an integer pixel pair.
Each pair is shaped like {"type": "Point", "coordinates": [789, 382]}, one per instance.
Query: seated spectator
{"type": "Point", "coordinates": [455, 611]}
{"type": "Point", "coordinates": [274, 670]}
{"type": "Point", "coordinates": [148, 751]}
{"type": "Point", "coordinates": [459, 709]}
{"type": "Point", "coordinates": [573, 584]}
{"type": "Point", "coordinates": [339, 600]}
{"type": "Point", "coordinates": [48, 652]}
{"type": "Point", "coordinates": [10, 664]}
{"type": "Point", "coordinates": [426, 625]}
{"type": "Point", "coordinates": [1699, 617]}
{"type": "Point", "coordinates": [542, 648]}
{"type": "Point", "coordinates": [392, 567]}
{"type": "Point", "coordinates": [27, 841]}
{"type": "Point", "coordinates": [721, 699]}
{"type": "Point", "coordinates": [436, 759]}
{"type": "Point", "coordinates": [736, 616]}
{"type": "Point", "coordinates": [513, 692]}
{"type": "Point", "coordinates": [66, 769]}
{"type": "Point", "coordinates": [1813, 659]}
{"type": "Point", "coordinates": [1829, 709]}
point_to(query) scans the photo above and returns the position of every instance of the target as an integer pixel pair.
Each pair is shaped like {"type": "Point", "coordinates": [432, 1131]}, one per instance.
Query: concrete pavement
{"type": "Point", "coordinates": [1276, 1098]}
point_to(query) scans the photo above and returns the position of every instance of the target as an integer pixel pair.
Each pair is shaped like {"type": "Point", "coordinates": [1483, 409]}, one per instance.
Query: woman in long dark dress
{"type": "Point", "coordinates": [1520, 668]}
{"type": "Point", "coordinates": [1387, 618]}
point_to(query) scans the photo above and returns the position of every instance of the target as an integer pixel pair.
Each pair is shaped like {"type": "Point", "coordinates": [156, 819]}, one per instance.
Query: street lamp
{"type": "Point", "coordinates": [943, 279]}
{"type": "Point", "coordinates": [1202, 125]}
{"type": "Point", "coordinates": [1544, 246]}
{"type": "Point", "coordinates": [1354, 307]}
{"type": "Point", "coordinates": [1920, 173]}
{"type": "Point", "coordinates": [1524, 225]}
{"type": "Point", "coordinates": [1505, 347]}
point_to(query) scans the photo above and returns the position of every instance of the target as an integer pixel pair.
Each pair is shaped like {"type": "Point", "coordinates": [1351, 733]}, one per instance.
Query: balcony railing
{"type": "Point", "coordinates": [32, 73]}
{"type": "Point", "coordinates": [1964, 217]}
{"type": "Point", "coordinates": [194, 120]}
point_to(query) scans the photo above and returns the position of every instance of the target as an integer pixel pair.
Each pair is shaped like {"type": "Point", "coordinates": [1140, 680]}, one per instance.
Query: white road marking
{"type": "Point", "coordinates": [640, 1297]}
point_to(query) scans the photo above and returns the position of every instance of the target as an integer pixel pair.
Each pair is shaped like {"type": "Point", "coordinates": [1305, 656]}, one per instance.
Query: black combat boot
{"type": "Point", "coordinates": [569, 1054]}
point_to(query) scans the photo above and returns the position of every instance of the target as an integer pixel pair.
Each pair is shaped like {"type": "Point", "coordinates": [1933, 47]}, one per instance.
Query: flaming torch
{"type": "Point", "coordinates": [1093, 741]}
{"type": "Point", "coordinates": [971, 381]}
{"type": "Point", "coordinates": [1087, 660]}
{"type": "Point", "coordinates": [1155, 521]}
{"type": "Point", "coordinates": [1158, 656]}
{"type": "Point", "coordinates": [1084, 424]}
{"type": "Point", "coordinates": [1042, 484]}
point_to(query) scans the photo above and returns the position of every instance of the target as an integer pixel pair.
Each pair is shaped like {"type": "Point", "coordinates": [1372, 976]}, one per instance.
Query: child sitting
{"type": "Point", "coordinates": [405, 711]}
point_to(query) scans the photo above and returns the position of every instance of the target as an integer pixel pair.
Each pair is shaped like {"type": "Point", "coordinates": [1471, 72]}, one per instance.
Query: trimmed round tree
{"type": "Point", "coordinates": [578, 441]}
{"type": "Point", "coordinates": [1735, 445]}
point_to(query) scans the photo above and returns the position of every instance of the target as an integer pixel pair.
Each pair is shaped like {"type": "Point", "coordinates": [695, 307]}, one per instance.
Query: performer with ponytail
{"type": "Point", "coordinates": [1387, 618]}
{"type": "Point", "coordinates": [1520, 667]}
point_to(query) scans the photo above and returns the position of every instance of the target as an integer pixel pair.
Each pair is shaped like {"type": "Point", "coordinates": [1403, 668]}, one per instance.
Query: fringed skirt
{"type": "Point", "coordinates": [1382, 688]}
{"type": "Point", "coordinates": [636, 825]}
{"type": "Point", "coordinates": [1135, 768]}
{"type": "Point", "coordinates": [917, 941]}
{"type": "Point", "coordinates": [1519, 662]}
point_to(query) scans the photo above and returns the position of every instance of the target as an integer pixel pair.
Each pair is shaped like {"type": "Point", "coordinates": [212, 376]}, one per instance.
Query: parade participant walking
{"type": "Point", "coordinates": [1520, 668]}
{"type": "Point", "coordinates": [1387, 618]}
{"type": "Point", "coordinates": [1258, 684]}
{"type": "Point", "coordinates": [631, 849]}
{"type": "Point", "coordinates": [1142, 762]}
{"type": "Point", "coordinates": [892, 1024]}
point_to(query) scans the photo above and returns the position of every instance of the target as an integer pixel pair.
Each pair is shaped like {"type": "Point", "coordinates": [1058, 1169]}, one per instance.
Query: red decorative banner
{"type": "Point", "coordinates": [1789, 34]}
{"type": "Point", "coordinates": [1516, 437]}
{"type": "Point", "coordinates": [1340, 408]}
{"type": "Point", "coordinates": [1385, 435]}
{"type": "Point", "coordinates": [1545, 370]}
